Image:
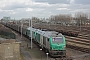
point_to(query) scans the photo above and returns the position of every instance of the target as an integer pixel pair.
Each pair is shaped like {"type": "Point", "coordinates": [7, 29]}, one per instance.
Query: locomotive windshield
{"type": "Point", "coordinates": [58, 40]}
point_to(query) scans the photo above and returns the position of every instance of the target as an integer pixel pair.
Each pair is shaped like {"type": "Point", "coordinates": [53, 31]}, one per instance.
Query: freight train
{"type": "Point", "coordinates": [50, 41]}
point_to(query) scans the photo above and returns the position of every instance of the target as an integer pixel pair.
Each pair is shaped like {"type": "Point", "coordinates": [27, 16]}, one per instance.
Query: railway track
{"type": "Point", "coordinates": [86, 50]}
{"type": "Point", "coordinates": [78, 44]}
{"type": "Point", "coordinates": [83, 35]}
{"type": "Point", "coordinates": [65, 58]}
{"type": "Point", "coordinates": [77, 39]}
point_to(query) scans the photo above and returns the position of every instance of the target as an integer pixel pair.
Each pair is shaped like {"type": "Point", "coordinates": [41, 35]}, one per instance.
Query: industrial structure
{"type": "Point", "coordinates": [9, 50]}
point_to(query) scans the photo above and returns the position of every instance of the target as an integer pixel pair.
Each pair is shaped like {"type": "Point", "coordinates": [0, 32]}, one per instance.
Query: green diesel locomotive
{"type": "Point", "coordinates": [52, 42]}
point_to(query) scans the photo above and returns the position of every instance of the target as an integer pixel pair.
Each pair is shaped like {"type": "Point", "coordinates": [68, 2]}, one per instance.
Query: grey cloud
{"type": "Point", "coordinates": [82, 1]}
{"type": "Point", "coordinates": [79, 6]}
{"type": "Point", "coordinates": [14, 6]}
{"type": "Point", "coordinates": [54, 1]}
{"type": "Point", "coordinates": [43, 11]}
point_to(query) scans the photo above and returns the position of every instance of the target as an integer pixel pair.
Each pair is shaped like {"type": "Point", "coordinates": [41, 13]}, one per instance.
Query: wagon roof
{"type": "Point", "coordinates": [46, 33]}
{"type": "Point", "coordinates": [49, 33]}
{"type": "Point", "coordinates": [33, 29]}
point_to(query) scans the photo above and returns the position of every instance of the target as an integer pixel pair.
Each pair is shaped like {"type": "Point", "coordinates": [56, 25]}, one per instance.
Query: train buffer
{"type": "Point", "coordinates": [79, 56]}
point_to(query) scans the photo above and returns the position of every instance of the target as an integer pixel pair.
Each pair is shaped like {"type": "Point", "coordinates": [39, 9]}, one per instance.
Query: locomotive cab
{"type": "Point", "coordinates": [58, 45]}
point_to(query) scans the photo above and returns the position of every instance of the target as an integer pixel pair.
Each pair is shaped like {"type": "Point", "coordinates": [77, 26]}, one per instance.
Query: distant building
{"type": "Point", "coordinates": [6, 18]}
{"type": "Point", "coordinates": [73, 22]}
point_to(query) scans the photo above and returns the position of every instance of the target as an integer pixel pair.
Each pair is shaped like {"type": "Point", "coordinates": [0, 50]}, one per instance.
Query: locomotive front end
{"type": "Point", "coordinates": [58, 45]}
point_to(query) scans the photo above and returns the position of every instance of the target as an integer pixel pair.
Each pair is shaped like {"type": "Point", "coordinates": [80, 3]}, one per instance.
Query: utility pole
{"type": "Point", "coordinates": [47, 55]}
{"type": "Point", "coordinates": [30, 20]}
{"type": "Point", "coordinates": [80, 23]}
{"type": "Point", "coordinates": [31, 33]}
{"type": "Point", "coordinates": [89, 34]}
{"type": "Point", "coordinates": [21, 28]}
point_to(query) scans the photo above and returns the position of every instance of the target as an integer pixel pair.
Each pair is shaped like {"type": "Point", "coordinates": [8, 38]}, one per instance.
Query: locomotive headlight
{"type": "Point", "coordinates": [64, 46]}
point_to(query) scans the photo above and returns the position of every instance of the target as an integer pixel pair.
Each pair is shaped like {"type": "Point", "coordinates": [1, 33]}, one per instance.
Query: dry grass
{"type": "Point", "coordinates": [21, 56]}
{"type": "Point", "coordinates": [0, 25]}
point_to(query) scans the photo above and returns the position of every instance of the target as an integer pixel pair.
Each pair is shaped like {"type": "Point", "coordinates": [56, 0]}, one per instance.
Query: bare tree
{"type": "Point", "coordinates": [61, 18]}
{"type": "Point", "coordinates": [83, 17]}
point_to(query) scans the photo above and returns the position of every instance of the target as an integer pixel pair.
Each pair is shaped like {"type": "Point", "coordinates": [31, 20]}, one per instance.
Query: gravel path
{"type": "Point", "coordinates": [25, 53]}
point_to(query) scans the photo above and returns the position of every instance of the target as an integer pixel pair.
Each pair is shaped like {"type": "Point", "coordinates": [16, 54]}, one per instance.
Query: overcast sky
{"type": "Point", "coordinates": [41, 8]}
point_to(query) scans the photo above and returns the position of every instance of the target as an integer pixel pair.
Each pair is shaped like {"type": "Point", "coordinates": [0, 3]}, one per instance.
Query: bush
{"type": "Point", "coordinates": [7, 35]}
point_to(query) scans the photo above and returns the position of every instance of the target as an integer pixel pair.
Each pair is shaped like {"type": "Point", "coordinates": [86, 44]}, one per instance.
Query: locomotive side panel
{"type": "Point", "coordinates": [38, 37]}
{"type": "Point", "coordinates": [44, 41]}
